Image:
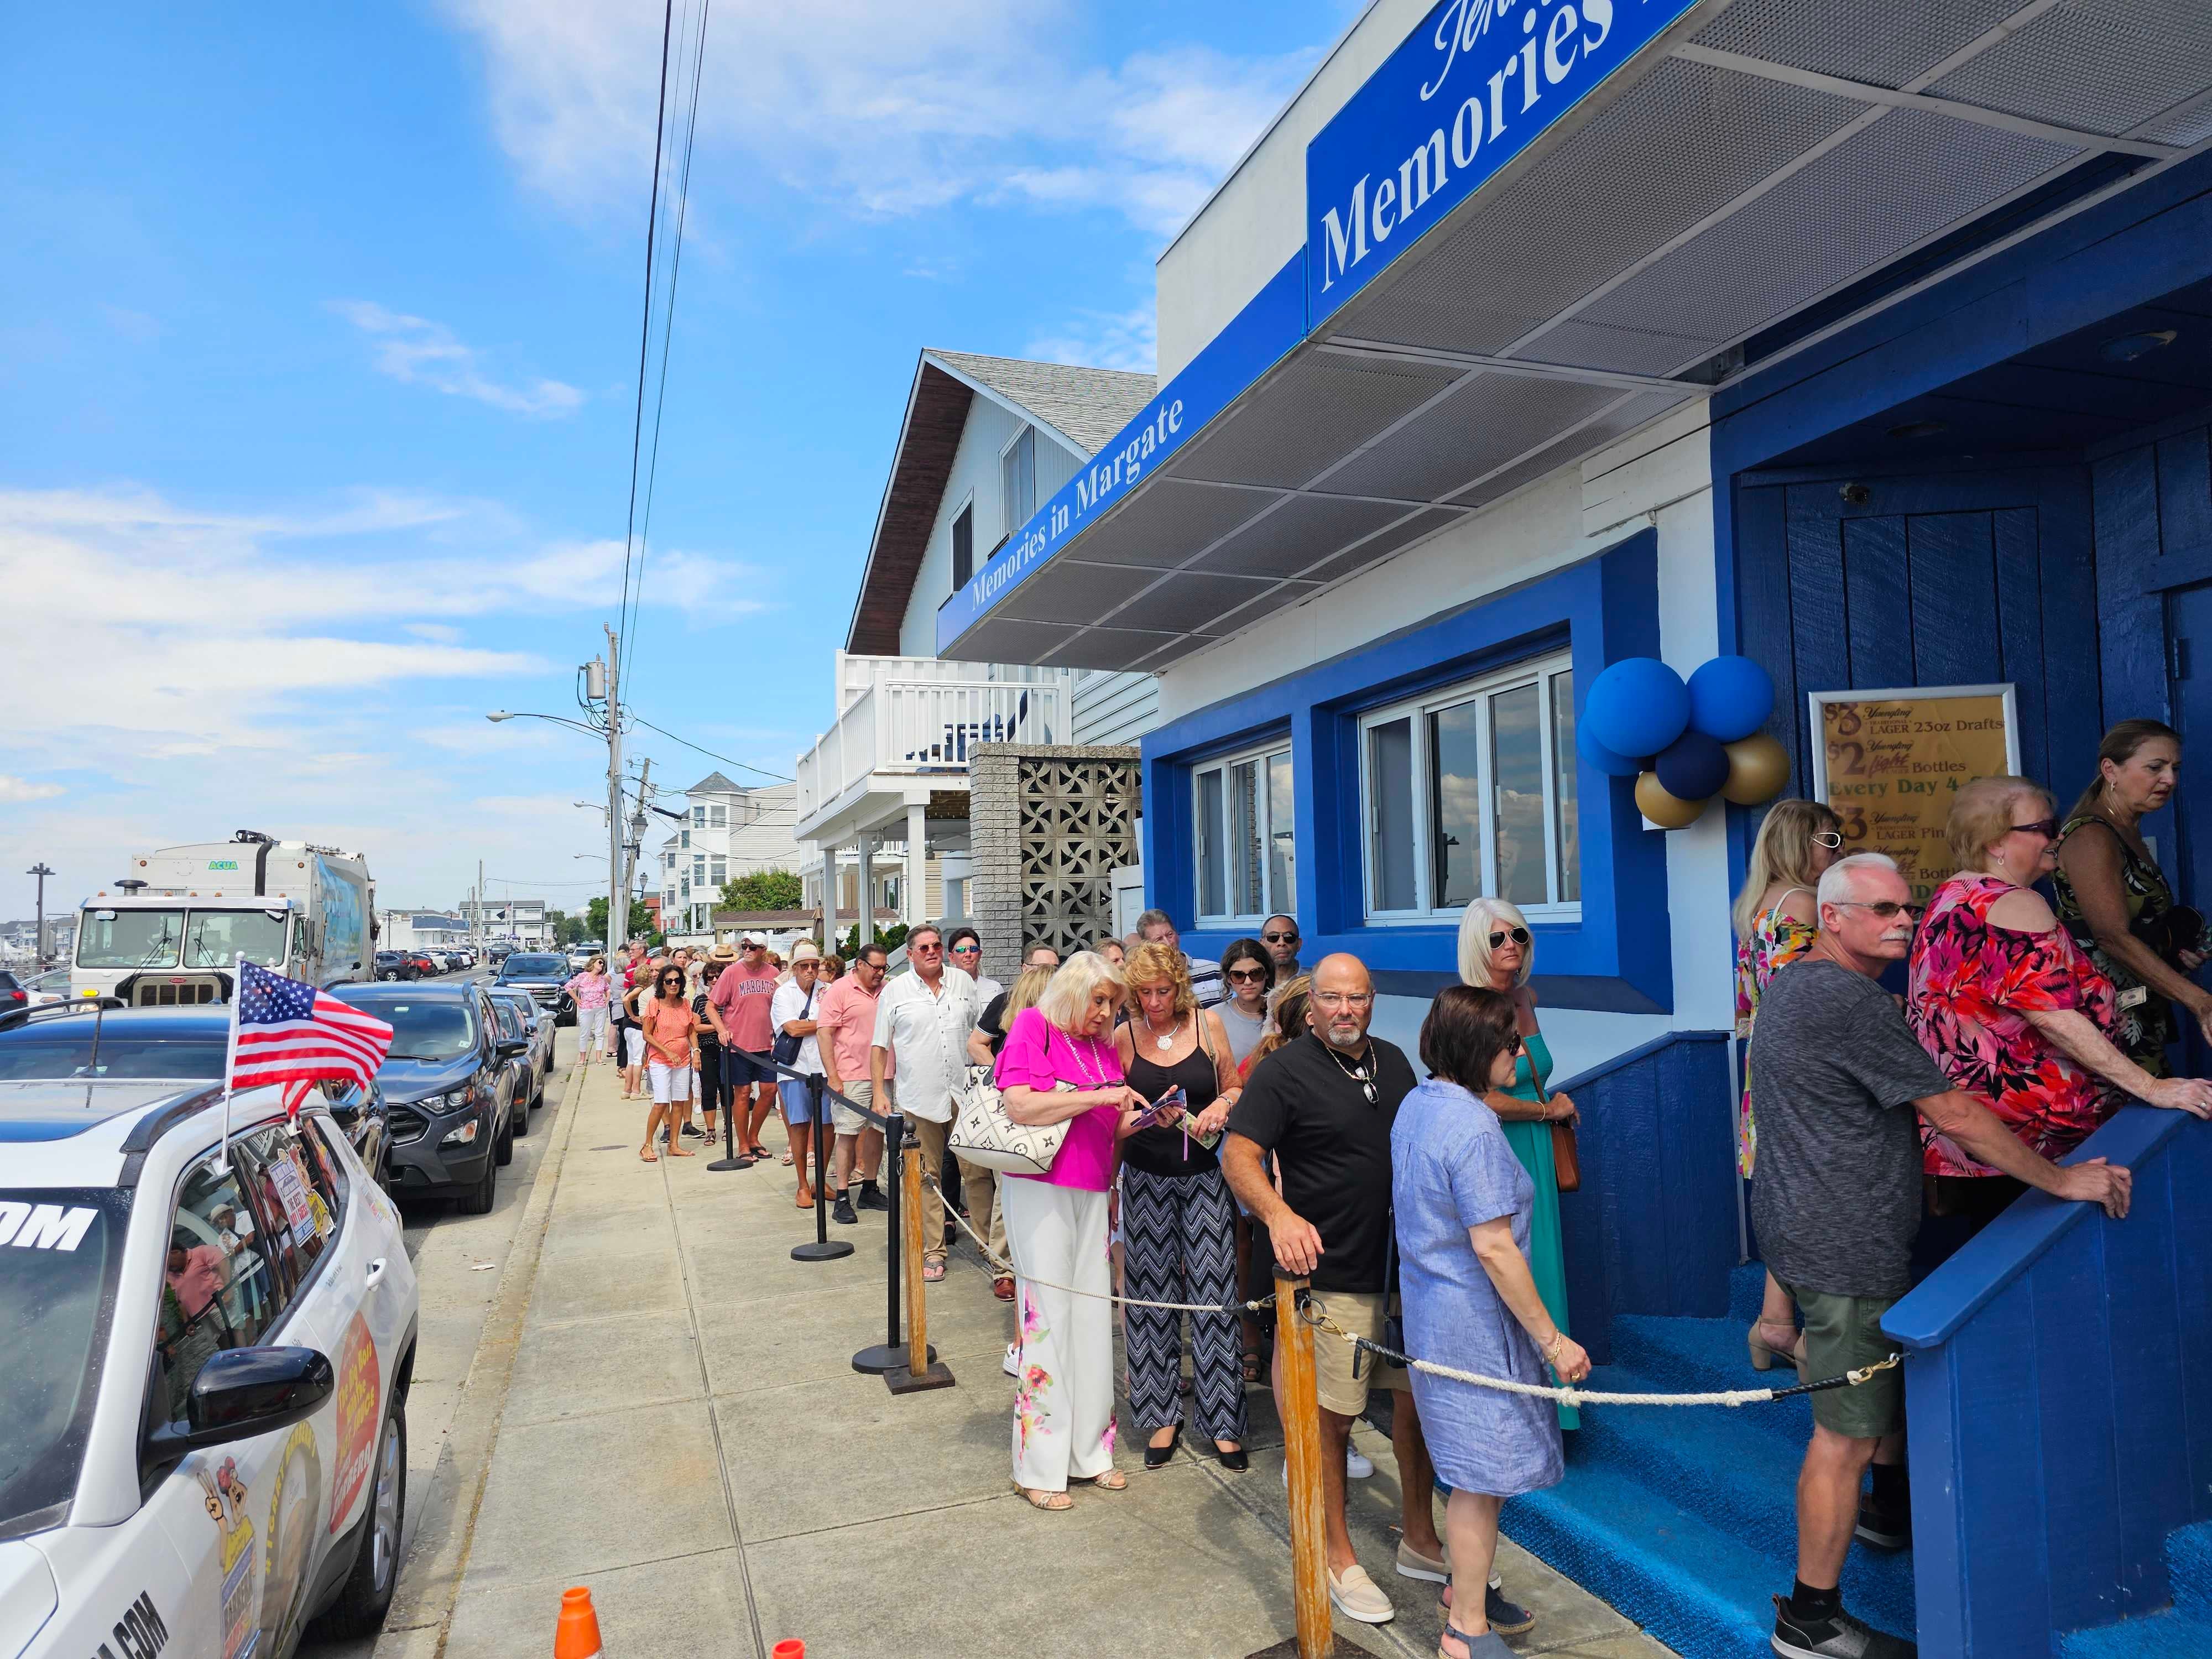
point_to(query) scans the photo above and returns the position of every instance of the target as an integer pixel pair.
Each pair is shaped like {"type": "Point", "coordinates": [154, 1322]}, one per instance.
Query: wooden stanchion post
{"type": "Point", "coordinates": [1301, 1412]}
{"type": "Point", "coordinates": [921, 1369]}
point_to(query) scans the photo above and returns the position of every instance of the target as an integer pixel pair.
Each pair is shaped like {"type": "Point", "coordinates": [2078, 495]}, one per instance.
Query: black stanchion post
{"type": "Point", "coordinates": [729, 1160]}
{"type": "Point", "coordinates": [824, 1247]}
{"type": "Point", "coordinates": [890, 1352]}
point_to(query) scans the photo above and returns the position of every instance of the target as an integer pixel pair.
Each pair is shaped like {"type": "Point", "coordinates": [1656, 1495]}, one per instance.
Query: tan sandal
{"type": "Point", "coordinates": [646, 1155]}
{"type": "Point", "coordinates": [1112, 1480]}
{"type": "Point", "coordinates": [1038, 1499]}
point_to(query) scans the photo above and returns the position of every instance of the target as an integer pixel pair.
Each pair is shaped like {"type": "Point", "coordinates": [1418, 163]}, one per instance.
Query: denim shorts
{"type": "Point", "coordinates": [805, 1101]}
{"type": "Point", "coordinates": [743, 1068]}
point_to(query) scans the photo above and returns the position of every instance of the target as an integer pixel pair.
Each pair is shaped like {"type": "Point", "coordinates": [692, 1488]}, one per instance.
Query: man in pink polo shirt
{"type": "Point", "coordinates": [845, 1022]}
{"type": "Point", "coordinates": [739, 1008]}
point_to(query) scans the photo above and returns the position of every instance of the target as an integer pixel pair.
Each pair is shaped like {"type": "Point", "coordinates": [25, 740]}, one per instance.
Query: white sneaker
{"type": "Point", "coordinates": [1356, 1468]}
{"type": "Point", "coordinates": [1012, 1364]}
{"type": "Point", "coordinates": [1356, 1596]}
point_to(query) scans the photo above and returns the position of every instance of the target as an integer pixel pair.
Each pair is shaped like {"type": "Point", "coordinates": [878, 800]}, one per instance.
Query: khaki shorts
{"type": "Point", "coordinates": [1360, 1313]}
{"type": "Point", "coordinates": [849, 1121]}
{"type": "Point", "coordinates": [1843, 1333]}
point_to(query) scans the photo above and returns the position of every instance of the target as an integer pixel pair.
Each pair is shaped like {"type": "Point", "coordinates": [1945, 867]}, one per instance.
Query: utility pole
{"type": "Point", "coordinates": [638, 823]}
{"type": "Point", "coordinates": [618, 881]}
{"type": "Point", "coordinates": [41, 869]}
{"type": "Point", "coordinates": [475, 911]}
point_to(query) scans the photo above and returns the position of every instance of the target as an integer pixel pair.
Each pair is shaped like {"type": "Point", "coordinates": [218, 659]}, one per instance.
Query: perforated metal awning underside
{"type": "Point", "coordinates": [1762, 158]}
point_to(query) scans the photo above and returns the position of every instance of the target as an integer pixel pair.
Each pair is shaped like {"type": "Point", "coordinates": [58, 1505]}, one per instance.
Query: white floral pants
{"type": "Point", "coordinates": [1064, 1426]}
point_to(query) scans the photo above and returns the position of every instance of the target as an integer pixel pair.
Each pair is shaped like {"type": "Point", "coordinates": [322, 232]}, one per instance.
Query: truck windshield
{"type": "Point", "coordinates": [128, 938]}
{"type": "Point", "coordinates": [57, 1291]}
{"type": "Point", "coordinates": [213, 938]}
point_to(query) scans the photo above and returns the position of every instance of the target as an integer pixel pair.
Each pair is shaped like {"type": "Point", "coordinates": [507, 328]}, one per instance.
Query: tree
{"type": "Point", "coordinates": [764, 890]}
{"type": "Point", "coordinates": [890, 939]}
{"type": "Point", "coordinates": [640, 921]}
{"type": "Point", "coordinates": [567, 929]}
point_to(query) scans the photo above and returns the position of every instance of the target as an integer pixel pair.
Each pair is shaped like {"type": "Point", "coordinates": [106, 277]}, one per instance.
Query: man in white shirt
{"type": "Point", "coordinates": [923, 1023]}
{"type": "Point", "coordinates": [964, 949]}
{"type": "Point", "coordinates": [805, 1101]}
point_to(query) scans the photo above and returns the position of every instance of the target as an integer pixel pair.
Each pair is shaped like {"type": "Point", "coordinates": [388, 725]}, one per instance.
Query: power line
{"type": "Point", "coordinates": [710, 754]}
{"type": "Point", "coordinates": [645, 324]}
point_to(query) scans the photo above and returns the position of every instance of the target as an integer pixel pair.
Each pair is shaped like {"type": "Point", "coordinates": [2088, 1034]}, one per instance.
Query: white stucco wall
{"type": "Point", "coordinates": [1659, 476]}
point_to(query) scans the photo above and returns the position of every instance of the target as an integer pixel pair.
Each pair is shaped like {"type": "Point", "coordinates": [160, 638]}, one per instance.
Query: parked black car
{"type": "Point", "coordinates": [541, 973]}
{"type": "Point", "coordinates": [535, 1023]}
{"type": "Point", "coordinates": [82, 1039]}
{"type": "Point", "coordinates": [449, 1088]}
{"type": "Point", "coordinates": [396, 965]}
{"type": "Point", "coordinates": [14, 993]}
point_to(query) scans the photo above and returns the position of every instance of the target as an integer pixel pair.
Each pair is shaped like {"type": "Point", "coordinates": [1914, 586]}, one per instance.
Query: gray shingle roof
{"type": "Point", "coordinates": [713, 784]}
{"type": "Point", "coordinates": [1089, 404]}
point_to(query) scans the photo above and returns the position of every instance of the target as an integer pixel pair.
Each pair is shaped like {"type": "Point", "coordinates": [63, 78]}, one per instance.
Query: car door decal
{"type": "Point", "coordinates": [226, 1500]}
{"type": "Point", "coordinates": [139, 1634]}
{"type": "Point", "coordinates": [288, 1539]}
{"type": "Point", "coordinates": [359, 1391]}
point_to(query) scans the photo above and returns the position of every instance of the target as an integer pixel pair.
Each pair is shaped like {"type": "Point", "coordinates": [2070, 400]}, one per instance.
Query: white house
{"type": "Point", "coordinates": [732, 831]}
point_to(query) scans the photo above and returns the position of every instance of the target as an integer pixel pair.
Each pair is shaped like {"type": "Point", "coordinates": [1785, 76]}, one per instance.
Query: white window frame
{"type": "Point", "coordinates": [1008, 522]}
{"type": "Point", "coordinates": [718, 818]}
{"type": "Point", "coordinates": [1283, 904]}
{"type": "Point", "coordinates": [1536, 671]}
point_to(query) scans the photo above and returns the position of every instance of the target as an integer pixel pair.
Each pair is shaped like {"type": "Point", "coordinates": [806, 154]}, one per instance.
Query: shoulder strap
{"type": "Point", "coordinates": [1198, 1025]}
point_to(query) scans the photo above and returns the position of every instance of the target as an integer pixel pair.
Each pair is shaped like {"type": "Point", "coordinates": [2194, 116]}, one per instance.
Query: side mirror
{"type": "Point", "coordinates": [510, 1047]}
{"type": "Point", "coordinates": [240, 1393]}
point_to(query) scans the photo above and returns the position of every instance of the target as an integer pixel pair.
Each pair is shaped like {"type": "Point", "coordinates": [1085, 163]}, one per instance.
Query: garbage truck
{"type": "Point", "coordinates": [171, 931]}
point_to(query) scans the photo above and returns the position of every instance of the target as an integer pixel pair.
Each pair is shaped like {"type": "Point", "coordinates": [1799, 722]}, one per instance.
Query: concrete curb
{"type": "Point", "coordinates": [430, 1577]}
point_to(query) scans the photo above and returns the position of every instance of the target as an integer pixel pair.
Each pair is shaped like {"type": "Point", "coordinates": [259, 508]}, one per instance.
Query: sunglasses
{"type": "Point", "coordinates": [1280, 938]}
{"type": "Point", "coordinates": [1247, 976]}
{"type": "Point", "coordinates": [967, 950]}
{"type": "Point", "coordinates": [932, 945]}
{"type": "Point", "coordinates": [1885, 909]}
{"type": "Point", "coordinates": [1827, 838]}
{"type": "Point", "coordinates": [1519, 936]}
{"type": "Point", "coordinates": [2047, 828]}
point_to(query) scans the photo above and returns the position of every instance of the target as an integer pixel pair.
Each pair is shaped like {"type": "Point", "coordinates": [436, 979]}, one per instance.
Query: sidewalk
{"type": "Point", "coordinates": [683, 1432]}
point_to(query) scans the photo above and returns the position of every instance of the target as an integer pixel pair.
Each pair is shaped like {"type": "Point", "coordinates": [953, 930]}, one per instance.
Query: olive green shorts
{"type": "Point", "coordinates": [1843, 1333]}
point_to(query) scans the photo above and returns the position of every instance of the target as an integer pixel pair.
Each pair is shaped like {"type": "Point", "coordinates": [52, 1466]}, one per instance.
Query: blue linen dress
{"type": "Point", "coordinates": [1452, 1169]}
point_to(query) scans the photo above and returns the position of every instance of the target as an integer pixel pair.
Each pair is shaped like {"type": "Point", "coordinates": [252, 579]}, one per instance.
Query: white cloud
{"type": "Point", "coordinates": [418, 352]}
{"type": "Point", "coordinates": [876, 106]}
{"type": "Point", "coordinates": [1126, 339]}
{"type": "Point", "coordinates": [15, 791]}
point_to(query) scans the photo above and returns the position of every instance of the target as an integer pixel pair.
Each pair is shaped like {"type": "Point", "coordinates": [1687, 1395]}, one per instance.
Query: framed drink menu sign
{"type": "Point", "coordinates": [1889, 763]}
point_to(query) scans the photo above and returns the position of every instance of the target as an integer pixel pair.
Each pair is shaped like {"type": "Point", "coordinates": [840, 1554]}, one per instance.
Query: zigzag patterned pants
{"type": "Point", "coordinates": [1179, 1245]}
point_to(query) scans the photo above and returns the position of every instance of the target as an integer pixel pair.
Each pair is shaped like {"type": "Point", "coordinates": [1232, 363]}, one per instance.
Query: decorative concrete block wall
{"type": "Point", "coordinates": [1048, 823]}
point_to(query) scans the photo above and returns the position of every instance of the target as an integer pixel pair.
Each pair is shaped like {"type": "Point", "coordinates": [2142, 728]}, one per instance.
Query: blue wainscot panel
{"type": "Point", "coordinates": [1616, 959]}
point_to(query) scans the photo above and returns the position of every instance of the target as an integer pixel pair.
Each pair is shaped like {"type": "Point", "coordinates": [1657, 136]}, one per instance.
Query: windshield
{"type": "Point", "coordinates": [422, 1030]}
{"type": "Point", "coordinates": [36, 1051]}
{"type": "Point", "coordinates": [518, 966]}
{"type": "Point", "coordinates": [128, 938]}
{"type": "Point", "coordinates": [213, 938]}
{"type": "Point", "coordinates": [57, 1292]}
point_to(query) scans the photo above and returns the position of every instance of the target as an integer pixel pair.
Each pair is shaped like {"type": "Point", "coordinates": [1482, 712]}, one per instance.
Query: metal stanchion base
{"type": "Point", "coordinates": [900, 1380]}
{"type": "Point", "coordinates": [883, 1357]}
{"type": "Point", "coordinates": [828, 1249]}
{"type": "Point", "coordinates": [722, 1163]}
{"type": "Point", "coordinates": [1338, 1648]}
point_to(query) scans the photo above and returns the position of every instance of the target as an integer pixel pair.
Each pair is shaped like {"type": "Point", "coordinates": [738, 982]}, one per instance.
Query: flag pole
{"type": "Point", "coordinates": [230, 1061]}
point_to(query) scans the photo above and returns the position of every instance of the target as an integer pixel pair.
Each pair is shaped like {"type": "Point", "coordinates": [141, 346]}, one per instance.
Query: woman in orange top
{"type": "Point", "coordinates": [671, 1055]}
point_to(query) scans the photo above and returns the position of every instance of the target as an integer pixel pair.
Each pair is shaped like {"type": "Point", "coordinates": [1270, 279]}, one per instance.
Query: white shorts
{"type": "Point", "coordinates": [672, 1085]}
{"type": "Point", "coordinates": [633, 1045]}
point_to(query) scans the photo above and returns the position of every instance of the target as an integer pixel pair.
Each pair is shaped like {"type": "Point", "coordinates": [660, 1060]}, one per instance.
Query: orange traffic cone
{"type": "Point", "coordinates": [790, 1647]}
{"type": "Point", "coordinates": [577, 1635]}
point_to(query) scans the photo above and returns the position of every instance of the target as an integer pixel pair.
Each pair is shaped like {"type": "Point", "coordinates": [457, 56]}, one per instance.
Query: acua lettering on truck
{"type": "Point", "coordinates": [172, 930]}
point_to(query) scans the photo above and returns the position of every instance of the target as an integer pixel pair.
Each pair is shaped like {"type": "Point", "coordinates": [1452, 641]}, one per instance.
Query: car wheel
{"type": "Point", "coordinates": [366, 1598]}
{"type": "Point", "coordinates": [521, 1119]}
{"type": "Point", "coordinates": [503, 1148]}
{"type": "Point", "coordinates": [477, 1200]}
{"type": "Point", "coordinates": [389, 973]}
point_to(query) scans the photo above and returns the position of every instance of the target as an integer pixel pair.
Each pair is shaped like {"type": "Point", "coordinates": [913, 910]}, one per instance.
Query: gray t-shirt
{"type": "Point", "coordinates": [1834, 1070]}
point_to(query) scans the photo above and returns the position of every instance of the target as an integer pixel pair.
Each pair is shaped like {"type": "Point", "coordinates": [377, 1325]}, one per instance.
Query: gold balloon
{"type": "Point", "coordinates": [1758, 770]}
{"type": "Point", "coordinates": [1668, 812]}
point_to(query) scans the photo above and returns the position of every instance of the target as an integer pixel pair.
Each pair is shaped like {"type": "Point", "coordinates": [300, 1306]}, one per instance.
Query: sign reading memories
{"type": "Point", "coordinates": [1890, 763]}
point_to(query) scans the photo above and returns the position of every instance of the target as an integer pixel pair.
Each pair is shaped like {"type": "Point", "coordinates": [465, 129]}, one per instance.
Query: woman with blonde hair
{"type": "Point", "coordinates": [1059, 1065]}
{"type": "Point", "coordinates": [1286, 1025]}
{"type": "Point", "coordinates": [1776, 919]}
{"type": "Point", "coordinates": [1178, 1223]}
{"type": "Point", "coordinates": [1497, 952]}
{"type": "Point", "coordinates": [592, 990]}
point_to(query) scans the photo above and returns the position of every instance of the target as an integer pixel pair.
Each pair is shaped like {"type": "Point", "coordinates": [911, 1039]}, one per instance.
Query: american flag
{"type": "Point", "coordinates": [289, 1032]}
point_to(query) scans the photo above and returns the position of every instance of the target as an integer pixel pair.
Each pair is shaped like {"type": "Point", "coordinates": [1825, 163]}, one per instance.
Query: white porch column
{"type": "Point", "coordinates": [863, 900]}
{"type": "Point", "coordinates": [917, 863]}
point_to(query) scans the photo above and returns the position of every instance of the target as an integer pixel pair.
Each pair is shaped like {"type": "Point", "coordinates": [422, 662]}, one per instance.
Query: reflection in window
{"type": "Point", "coordinates": [1455, 809]}
{"type": "Point", "coordinates": [1246, 836]}
{"type": "Point", "coordinates": [1568, 851]}
{"type": "Point", "coordinates": [218, 1289]}
{"type": "Point", "coordinates": [1212, 888]}
{"type": "Point", "coordinates": [1282, 845]}
{"type": "Point", "coordinates": [1390, 780]}
{"type": "Point", "coordinates": [1516, 748]}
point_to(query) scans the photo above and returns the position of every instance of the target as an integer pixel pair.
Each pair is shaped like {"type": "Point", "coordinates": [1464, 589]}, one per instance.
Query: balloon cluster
{"type": "Point", "coordinates": [1684, 743]}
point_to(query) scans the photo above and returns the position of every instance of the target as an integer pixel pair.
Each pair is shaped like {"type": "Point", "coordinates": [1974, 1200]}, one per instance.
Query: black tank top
{"type": "Point", "coordinates": [1159, 1151]}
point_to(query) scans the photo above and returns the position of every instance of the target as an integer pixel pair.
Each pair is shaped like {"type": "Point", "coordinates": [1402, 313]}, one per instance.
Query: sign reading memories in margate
{"type": "Point", "coordinates": [1891, 762]}
{"type": "Point", "coordinates": [1462, 96]}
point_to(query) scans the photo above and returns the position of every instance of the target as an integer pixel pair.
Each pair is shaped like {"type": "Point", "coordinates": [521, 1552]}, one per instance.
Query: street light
{"type": "Point", "coordinates": [41, 869]}
{"type": "Point", "coordinates": [600, 682]}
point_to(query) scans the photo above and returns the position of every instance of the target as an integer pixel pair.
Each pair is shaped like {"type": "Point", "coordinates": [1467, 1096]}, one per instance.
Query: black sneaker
{"type": "Point", "coordinates": [870, 1198]}
{"type": "Point", "coordinates": [692, 1131]}
{"type": "Point", "coordinates": [841, 1212]}
{"type": "Point", "coordinates": [1839, 1637]}
{"type": "Point", "coordinates": [1887, 1527]}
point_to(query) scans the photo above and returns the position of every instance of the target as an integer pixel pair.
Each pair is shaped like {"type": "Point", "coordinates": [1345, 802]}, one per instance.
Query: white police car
{"type": "Point", "coordinates": [204, 1375]}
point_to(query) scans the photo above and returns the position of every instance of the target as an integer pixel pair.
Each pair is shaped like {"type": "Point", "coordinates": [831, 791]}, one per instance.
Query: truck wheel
{"type": "Point", "coordinates": [477, 1200]}
{"type": "Point", "coordinates": [366, 1598]}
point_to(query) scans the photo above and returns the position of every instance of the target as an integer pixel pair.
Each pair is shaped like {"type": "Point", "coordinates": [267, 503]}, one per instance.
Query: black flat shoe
{"type": "Point", "coordinates": [1235, 1461]}
{"type": "Point", "coordinates": [1158, 1457]}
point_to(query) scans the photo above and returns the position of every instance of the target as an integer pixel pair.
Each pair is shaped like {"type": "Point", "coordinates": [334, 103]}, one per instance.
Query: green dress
{"type": "Point", "coordinates": [1531, 1141]}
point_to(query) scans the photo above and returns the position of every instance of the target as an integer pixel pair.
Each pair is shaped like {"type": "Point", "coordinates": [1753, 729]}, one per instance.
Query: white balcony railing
{"type": "Point", "coordinates": [904, 717]}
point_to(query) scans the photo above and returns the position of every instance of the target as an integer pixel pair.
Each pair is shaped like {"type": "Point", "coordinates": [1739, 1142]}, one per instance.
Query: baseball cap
{"type": "Point", "coordinates": [752, 939]}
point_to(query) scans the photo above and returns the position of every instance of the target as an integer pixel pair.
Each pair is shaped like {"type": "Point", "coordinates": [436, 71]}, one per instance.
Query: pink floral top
{"type": "Point", "coordinates": [1038, 1055]}
{"type": "Point", "coordinates": [1971, 988]}
{"type": "Point", "coordinates": [590, 990]}
{"type": "Point", "coordinates": [1776, 940]}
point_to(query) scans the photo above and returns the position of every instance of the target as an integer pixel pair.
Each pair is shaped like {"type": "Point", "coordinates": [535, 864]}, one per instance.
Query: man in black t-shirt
{"type": "Point", "coordinates": [1322, 1107]}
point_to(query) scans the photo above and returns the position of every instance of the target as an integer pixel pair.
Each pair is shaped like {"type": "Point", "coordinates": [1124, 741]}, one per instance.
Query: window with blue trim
{"type": "Point", "coordinates": [1244, 840]}
{"type": "Point", "coordinates": [1468, 791]}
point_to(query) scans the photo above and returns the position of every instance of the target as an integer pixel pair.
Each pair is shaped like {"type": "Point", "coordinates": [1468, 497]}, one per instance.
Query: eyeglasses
{"type": "Point", "coordinates": [1519, 936]}
{"type": "Point", "coordinates": [1885, 909]}
{"type": "Point", "coordinates": [2047, 828]}
{"type": "Point", "coordinates": [1247, 976]}
{"type": "Point", "coordinates": [1280, 938]}
{"type": "Point", "coordinates": [1828, 838]}
{"type": "Point", "coordinates": [1345, 998]}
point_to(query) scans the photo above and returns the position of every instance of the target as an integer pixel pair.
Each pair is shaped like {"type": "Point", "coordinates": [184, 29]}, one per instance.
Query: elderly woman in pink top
{"type": "Point", "coordinates": [592, 989]}
{"type": "Point", "coordinates": [1059, 1065]}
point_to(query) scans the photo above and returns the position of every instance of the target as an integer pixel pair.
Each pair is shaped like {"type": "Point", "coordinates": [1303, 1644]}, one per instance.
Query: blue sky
{"type": "Point", "coordinates": [320, 350]}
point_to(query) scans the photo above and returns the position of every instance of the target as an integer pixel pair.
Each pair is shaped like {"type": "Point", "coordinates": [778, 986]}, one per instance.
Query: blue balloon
{"type": "Point", "coordinates": [1730, 697]}
{"type": "Point", "coordinates": [1692, 768]}
{"type": "Point", "coordinates": [1637, 707]}
{"type": "Point", "coordinates": [1613, 765]}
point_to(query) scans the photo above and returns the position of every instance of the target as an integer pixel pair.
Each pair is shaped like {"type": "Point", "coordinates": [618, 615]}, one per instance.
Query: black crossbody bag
{"type": "Point", "coordinates": [785, 1049]}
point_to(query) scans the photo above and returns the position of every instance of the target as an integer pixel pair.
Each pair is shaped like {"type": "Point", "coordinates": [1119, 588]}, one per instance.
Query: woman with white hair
{"type": "Point", "coordinates": [1060, 1065]}
{"type": "Point", "coordinates": [1497, 953]}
